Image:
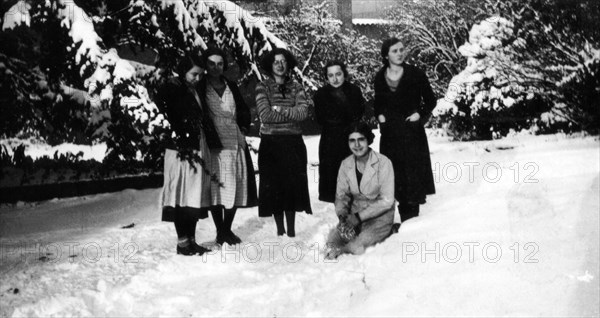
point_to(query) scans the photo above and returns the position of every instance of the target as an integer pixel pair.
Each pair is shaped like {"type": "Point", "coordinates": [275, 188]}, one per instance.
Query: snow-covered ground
{"type": "Point", "coordinates": [512, 231]}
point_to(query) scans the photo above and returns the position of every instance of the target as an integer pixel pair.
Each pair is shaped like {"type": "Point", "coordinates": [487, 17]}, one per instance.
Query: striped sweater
{"type": "Point", "coordinates": [293, 102]}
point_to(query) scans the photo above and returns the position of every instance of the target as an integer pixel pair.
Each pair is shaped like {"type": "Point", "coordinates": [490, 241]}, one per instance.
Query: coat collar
{"type": "Point", "coordinates": [346, 86]}
{"type": "Point", "coordinates": [368, 174]}
{"type": "Point", "coordinates": [204, 82]}
{"type": "Point", "coordinates": [380, 76]}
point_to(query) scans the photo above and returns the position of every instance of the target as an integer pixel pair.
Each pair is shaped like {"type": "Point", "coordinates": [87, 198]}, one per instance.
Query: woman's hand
{"type": "Point", "coordinates": [414, 117]}
{"type": "Point", "coordinates": [381, 119]}
{"type": "Point", "coordinates": [333, 252]}
{"type": "Point", "coordinates": [281, 110]}
{"type": "Point", "coordinates": [353, 220]}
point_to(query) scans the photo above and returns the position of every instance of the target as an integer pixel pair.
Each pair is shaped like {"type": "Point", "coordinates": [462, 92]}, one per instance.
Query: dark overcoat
{"type": "Point", "coordinates": [244, 118]}
{"type": "Point", "coordinates": [404, 142]}
{"type": "Point", "coordinates": [190, 121]}
{"type": "Point", "coordinates": [335, 116]}
{"type": "Point", "coordinates": [186, 116]}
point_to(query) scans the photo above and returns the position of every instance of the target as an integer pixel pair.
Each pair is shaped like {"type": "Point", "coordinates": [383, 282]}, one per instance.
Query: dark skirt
{"type": "Point", "coordinates": [333, 148]}
{"type": "Point", "coordinates": [169, 213]}
{"type": "Point", "coordinates": [405, 144]}
{"type": "Point", "coordinates": [283, 179]}
{"type": "Point", "coordinates": [252, 195]}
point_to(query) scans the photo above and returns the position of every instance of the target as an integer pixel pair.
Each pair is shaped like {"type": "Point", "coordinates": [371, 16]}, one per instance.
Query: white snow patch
{"type": "Point", "coordinates": [520, 199]}
{"type": "Point", "coordinates": [17, 15]}
{"type": "Point", "coordinates": [36, 149]}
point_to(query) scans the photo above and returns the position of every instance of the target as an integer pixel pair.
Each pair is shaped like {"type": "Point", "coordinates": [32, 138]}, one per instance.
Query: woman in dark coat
{"type": "Point", "coordinates": [186, 187]}
{"type": "Point", "coordinates": [403, 103]}
{"type": "Point", "coordinates": [337, 105]}
{"type": "Point", "coordinates": [282, 160]}
{"type": "Point", "coordinates": [232, 163]}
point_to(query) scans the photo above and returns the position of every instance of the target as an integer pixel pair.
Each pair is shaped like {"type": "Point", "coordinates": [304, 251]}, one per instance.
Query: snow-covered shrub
{"type": "Point", "coordinates": [32, 101]}
{"type": "Point", "coordinates": [489, 97]}
{"type": "Point", "coordinates": [525, 69]}
{"type": "Point", "coordinates": [114, 95]}
{"type": "Point", "coordinates": [579, 86]}
{"type": "Point", "coordinates": [60, 165]}
{"type": "Point", "coordinates": [172, 29]}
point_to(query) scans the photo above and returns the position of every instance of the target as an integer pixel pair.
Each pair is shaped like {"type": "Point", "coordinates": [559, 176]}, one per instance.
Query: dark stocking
{"type": "Point", "coordinates": [223, 219]}
{"type": "Point", "coordinates": [191, 228]}
{"type": "Point", "coordinates": [228, 219]}
{"type": "Point", "coordinates": [290, 218]}
{"type": "Point", "coordinates": [279, 222]}
{"type": "Point", "coordinates": [181, 226]}
{"type": "Point", "coordinates": [185, 226]}
{"type": "Point", "coordinates": [217, 215]}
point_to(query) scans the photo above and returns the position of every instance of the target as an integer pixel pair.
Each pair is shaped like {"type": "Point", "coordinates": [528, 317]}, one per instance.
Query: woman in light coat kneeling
{"type": "Point", "coordinates": [364, 200]}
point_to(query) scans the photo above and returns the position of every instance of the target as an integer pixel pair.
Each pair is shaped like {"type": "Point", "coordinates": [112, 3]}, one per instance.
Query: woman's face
{"type": "Point", "coordinates": [397, 54]}
{"type": "Point", "coordinates": [359, 144]}
{"type": "Point", "coordinates": [335, 76]}
{"type": "Point", "coordinates": [215, 65]}
{"type": "Point", "coordinates": [280, 67]}
{"type": "Point", "coordinates": [194, 75]}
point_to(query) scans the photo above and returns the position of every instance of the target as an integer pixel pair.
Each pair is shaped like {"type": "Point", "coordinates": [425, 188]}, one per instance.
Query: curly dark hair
{"type": "Point", "coordinates": [362, 128]}
{"type": "Point", "coordinates": [339, 63]}
{"type": "Point", "coordinates": [214, 51]}
{"type": "Point", "coordinates": [267, 62]}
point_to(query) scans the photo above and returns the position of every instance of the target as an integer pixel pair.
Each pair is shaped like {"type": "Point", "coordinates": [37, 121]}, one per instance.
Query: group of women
{"type": "Point", "coordinates": [208, 166]}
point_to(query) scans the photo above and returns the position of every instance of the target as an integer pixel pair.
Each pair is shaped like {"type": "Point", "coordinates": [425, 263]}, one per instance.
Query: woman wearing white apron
{"type": "Point", "coordinates": [231, 164]}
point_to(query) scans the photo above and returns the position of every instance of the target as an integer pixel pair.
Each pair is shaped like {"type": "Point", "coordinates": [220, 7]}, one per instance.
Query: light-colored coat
{"type": "Point", "coordinates": [373, 199]}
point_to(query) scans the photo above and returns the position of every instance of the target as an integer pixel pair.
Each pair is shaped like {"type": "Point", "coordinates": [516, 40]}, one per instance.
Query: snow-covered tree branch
{"type": "Point", "coordinates": [118, 94]}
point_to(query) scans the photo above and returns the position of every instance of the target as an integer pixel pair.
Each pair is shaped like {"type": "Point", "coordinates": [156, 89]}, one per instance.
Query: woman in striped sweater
{"type": "Point", "coordinates": [282, 105]}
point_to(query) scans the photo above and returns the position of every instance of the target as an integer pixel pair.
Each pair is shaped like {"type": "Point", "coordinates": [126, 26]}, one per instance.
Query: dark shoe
{"type": "Point", "coordinates": [199, 249]}
{"type": "Point", "coordinates": [220, 238]}
{"type": "Point", "coordinates": [228, 237]}
{"type": "Point", "coordinates": [395, 228]}
{"type": "Point", "coordinates": [233, 239]}
{"type": "Point", "coordinates": [187, 250]}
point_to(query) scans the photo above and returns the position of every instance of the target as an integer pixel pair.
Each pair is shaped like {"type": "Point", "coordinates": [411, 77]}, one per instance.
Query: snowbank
{"type": "Point", "coordinates": [512, 231]}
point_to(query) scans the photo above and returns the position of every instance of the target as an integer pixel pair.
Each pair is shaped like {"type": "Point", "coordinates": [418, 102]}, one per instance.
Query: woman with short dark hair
{"type": "Point", "coordinates": [187, 177]}
{"type": "Point", "coordinates": [337, 105]}
{"type": "Point", "coordinates": [403, 103]}
{"type": "Point", "coordinates": [282, 160]}
{"type": "Point", "coordinates": [364, 200]}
